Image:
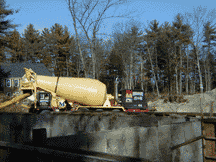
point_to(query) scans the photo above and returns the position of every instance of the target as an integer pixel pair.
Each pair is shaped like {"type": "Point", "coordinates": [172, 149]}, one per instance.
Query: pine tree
{"type": "Point", "coordinates": [62, 44]}
{"type": "Point", "coordinates": [15, 44]}
{"type": "Point", "coordinates": [210, 39]}
{"type": "Point", "coordinates": [165, 50]}
{"type": "Point", "coordinates": [46, 55]}
{"type": "Point", "coordinates": [32, 44]}
{"type": "Point", "coordinates": [113, 69]}
{"type": "Point", "coordinates": [182, 37]}
{"type": "Point", "coordinates": [5, 25]}
{"type": "Point", "coordinates": [152, 39]}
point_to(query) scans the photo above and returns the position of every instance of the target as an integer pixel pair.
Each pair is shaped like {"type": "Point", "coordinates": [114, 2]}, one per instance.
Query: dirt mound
{"type": "Point", "coordinates": [176, 98]}
{"type": "Point", "coordinates": [187, 103]}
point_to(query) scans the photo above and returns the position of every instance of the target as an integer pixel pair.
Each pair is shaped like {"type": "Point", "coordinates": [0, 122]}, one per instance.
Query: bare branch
{"type": "Point", "coordinates": [89, 13]}
{"type": "Point", "coordinates": [86, 9]}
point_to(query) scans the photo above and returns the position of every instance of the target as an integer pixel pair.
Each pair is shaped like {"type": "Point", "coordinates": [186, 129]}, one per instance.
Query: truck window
{"type": "Point", "coordinates": [46, 96]}
{"type": "Point", "coordinates": [42, 96]}
{"type": "Point", "coordinates": [138, 96]}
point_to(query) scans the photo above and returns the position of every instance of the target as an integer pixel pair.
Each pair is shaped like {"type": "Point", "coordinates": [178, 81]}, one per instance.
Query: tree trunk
{"type": "Point", "coordinates": [67, 66]}
{"type": "Point", "coordinates": [141, 74]}
{"type": "Point", "coordinates": [78, 69]}
{"type": "Point", "coordinates": [146, 88]}
{"type": "Point", "coordinates": [169, 83]}
{"type": "Point", "coordinates": [200, 75]}
{"type": "Point", "coordinates": [153, 72]}
{"type": "Point", "coordinates": [187, 73]}
{"type": "Point", "coordinates": [156, 66]}
{"type": "Point", "coordinates": [77, 40]}
{"type": "Point", "coordinates": [180, 77]}
{"type": "Point", "coordinates": [126, 77]}
{"type": "Point", "coordinates": [209, 73]}
{"type": "Point", "coordinates": [209, 79]}
{"type": "Point", "coordinates": [176, 71]}
{"type": "Point", "coordinates": [206, 79]}
{"type": "Point", "coordinates": [92, 47]}
{"type": "Point", "coordinates": [131, 66]}
{"type": "Point", "coordinates": [171, 88]}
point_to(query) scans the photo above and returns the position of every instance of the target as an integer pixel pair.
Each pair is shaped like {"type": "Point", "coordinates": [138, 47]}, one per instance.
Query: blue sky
{"type": "Point", "coordinates": [44, 14]}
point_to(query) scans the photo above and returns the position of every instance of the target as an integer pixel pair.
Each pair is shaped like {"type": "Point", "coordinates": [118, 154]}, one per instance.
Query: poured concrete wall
{"type": "Point", "coordinates": [140, 136]}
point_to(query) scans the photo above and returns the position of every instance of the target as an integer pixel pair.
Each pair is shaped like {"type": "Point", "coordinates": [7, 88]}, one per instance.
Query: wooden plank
{"type": "Point", "coordinates": [210, 157]}
{"type": "Point", "coordinates": [203, 140]}
{"type": "Point", "coordinates": [209, 133]}
{"type": "Point", "coordinates": [210, 138]}
{"type": "Point", "coordinates": [187, 142]}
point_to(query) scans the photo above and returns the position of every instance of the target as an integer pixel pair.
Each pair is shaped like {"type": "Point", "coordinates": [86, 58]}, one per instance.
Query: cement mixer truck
{"type": "Point", "coordinates": [74, 94]}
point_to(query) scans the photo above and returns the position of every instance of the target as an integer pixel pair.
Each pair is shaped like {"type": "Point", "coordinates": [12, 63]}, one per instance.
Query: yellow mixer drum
{"type": "Point", "coordinates": [82, 90]}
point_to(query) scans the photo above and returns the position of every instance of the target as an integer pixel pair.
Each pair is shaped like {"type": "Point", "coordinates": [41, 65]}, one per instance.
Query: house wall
{"type": "Point", "coordinates": [11, 88]}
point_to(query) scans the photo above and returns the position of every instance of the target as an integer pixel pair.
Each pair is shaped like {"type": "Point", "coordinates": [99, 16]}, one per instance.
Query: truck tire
{"type": "Point", "coordinates": [83, 109]}
{"type": "Point", "coordinates": [116, 110]}
{"type": "Point", "coordinates": [44, 112]}
{"type": "Point", "coordinates": [99, 109]}
{"type": "Point", "coordinates": [32, 109]}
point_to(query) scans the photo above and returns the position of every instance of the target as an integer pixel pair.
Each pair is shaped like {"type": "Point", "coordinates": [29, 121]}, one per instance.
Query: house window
{"type": "Point", "coordinates": [8, 82]}
{"type": "Point", "coordinates": [16, 82]}
{"type": "Point", "coordinates": [8, 94]}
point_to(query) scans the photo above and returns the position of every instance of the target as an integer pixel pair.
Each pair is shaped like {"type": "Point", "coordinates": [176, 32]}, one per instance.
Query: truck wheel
{"type": "Point", "coordinates": [68, 108]}
{"type": "Point", "coordinates": [32, 109]}
{"type": "Point", "coordinates": [99, 109]}
{"type": "Point", "coordinates": [116, 110]}
{"type": "Point", "coordinates": [75, 105]}
{"type": "Point", "coordinates": [83, 109]}
{"type": "Point", "coordinates": [44, 112]}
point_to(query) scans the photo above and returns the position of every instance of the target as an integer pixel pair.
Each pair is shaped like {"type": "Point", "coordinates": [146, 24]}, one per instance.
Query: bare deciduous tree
{"type": "Point", "coordinates": [84, 17]}
{"type": "Point", "coordinates": [197, 20]}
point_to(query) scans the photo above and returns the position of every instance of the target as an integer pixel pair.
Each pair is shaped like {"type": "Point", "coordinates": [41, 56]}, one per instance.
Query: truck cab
{"type": "Point", "coordinates": [43, 100]}
{"type": "Point", "coordinates": [133, 100]}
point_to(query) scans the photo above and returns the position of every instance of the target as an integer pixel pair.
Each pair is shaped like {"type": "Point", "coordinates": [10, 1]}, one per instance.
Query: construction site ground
{"type": "Point", "coordinates": [192, 104]}
{"type": "Point", "coordinates": [17, 107]}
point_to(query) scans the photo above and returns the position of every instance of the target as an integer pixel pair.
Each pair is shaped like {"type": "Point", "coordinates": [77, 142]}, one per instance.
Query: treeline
{"type": "Point", "coordinates": [171, 57]}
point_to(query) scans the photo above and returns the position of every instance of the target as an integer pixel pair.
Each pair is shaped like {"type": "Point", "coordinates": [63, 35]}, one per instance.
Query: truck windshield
{"type": "Point", "coordinates": [138, 95]}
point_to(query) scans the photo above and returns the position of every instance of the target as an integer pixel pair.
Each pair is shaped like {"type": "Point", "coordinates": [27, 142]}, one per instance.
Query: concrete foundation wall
{"type": "Point", "coordinates": [140, 136]}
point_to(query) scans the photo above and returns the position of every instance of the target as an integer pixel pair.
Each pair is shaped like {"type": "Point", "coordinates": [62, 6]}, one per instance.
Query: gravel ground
{"type": "Point", "coordinates": [192, 106]}
{"type": "Point", "coordinates": [16, 107]}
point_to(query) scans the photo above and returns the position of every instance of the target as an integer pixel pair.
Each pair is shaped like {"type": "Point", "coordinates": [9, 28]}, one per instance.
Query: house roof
{"type": "Point", "coordinates": [17, 69]}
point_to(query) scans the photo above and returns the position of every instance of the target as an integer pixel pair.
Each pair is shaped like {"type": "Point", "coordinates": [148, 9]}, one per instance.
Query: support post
{"type": "Point", "coordinates": [203, 140]}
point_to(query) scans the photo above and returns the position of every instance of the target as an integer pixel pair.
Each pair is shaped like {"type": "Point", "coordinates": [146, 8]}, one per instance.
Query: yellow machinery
{"type": "Point", "coordinates": [90, 93]}
{"type": "Point", "coordinates": [77, 93]}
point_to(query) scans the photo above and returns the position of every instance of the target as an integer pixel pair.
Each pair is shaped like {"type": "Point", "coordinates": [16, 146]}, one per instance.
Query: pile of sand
{"type": "Point", "coordinates": [192, 106]}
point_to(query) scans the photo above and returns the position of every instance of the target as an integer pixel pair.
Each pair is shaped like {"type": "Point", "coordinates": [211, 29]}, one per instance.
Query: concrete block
{"type": "Point", "coordinates": [140, 135]}
{"type": "Point", "coordinates": [121, 142]}
{"type": "Point", "coordinates": [164, 143]}
{"type": "Point", "coordinates": [149, 148]}
{"type": "Point", "coordinates": [96, 142]}
{"type": "Point", "coordinates": [164, 121]}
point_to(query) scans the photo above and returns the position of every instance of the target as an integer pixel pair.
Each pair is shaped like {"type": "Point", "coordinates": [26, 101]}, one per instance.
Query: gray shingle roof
{"type": "Point", "coordinates": [17, 69]}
